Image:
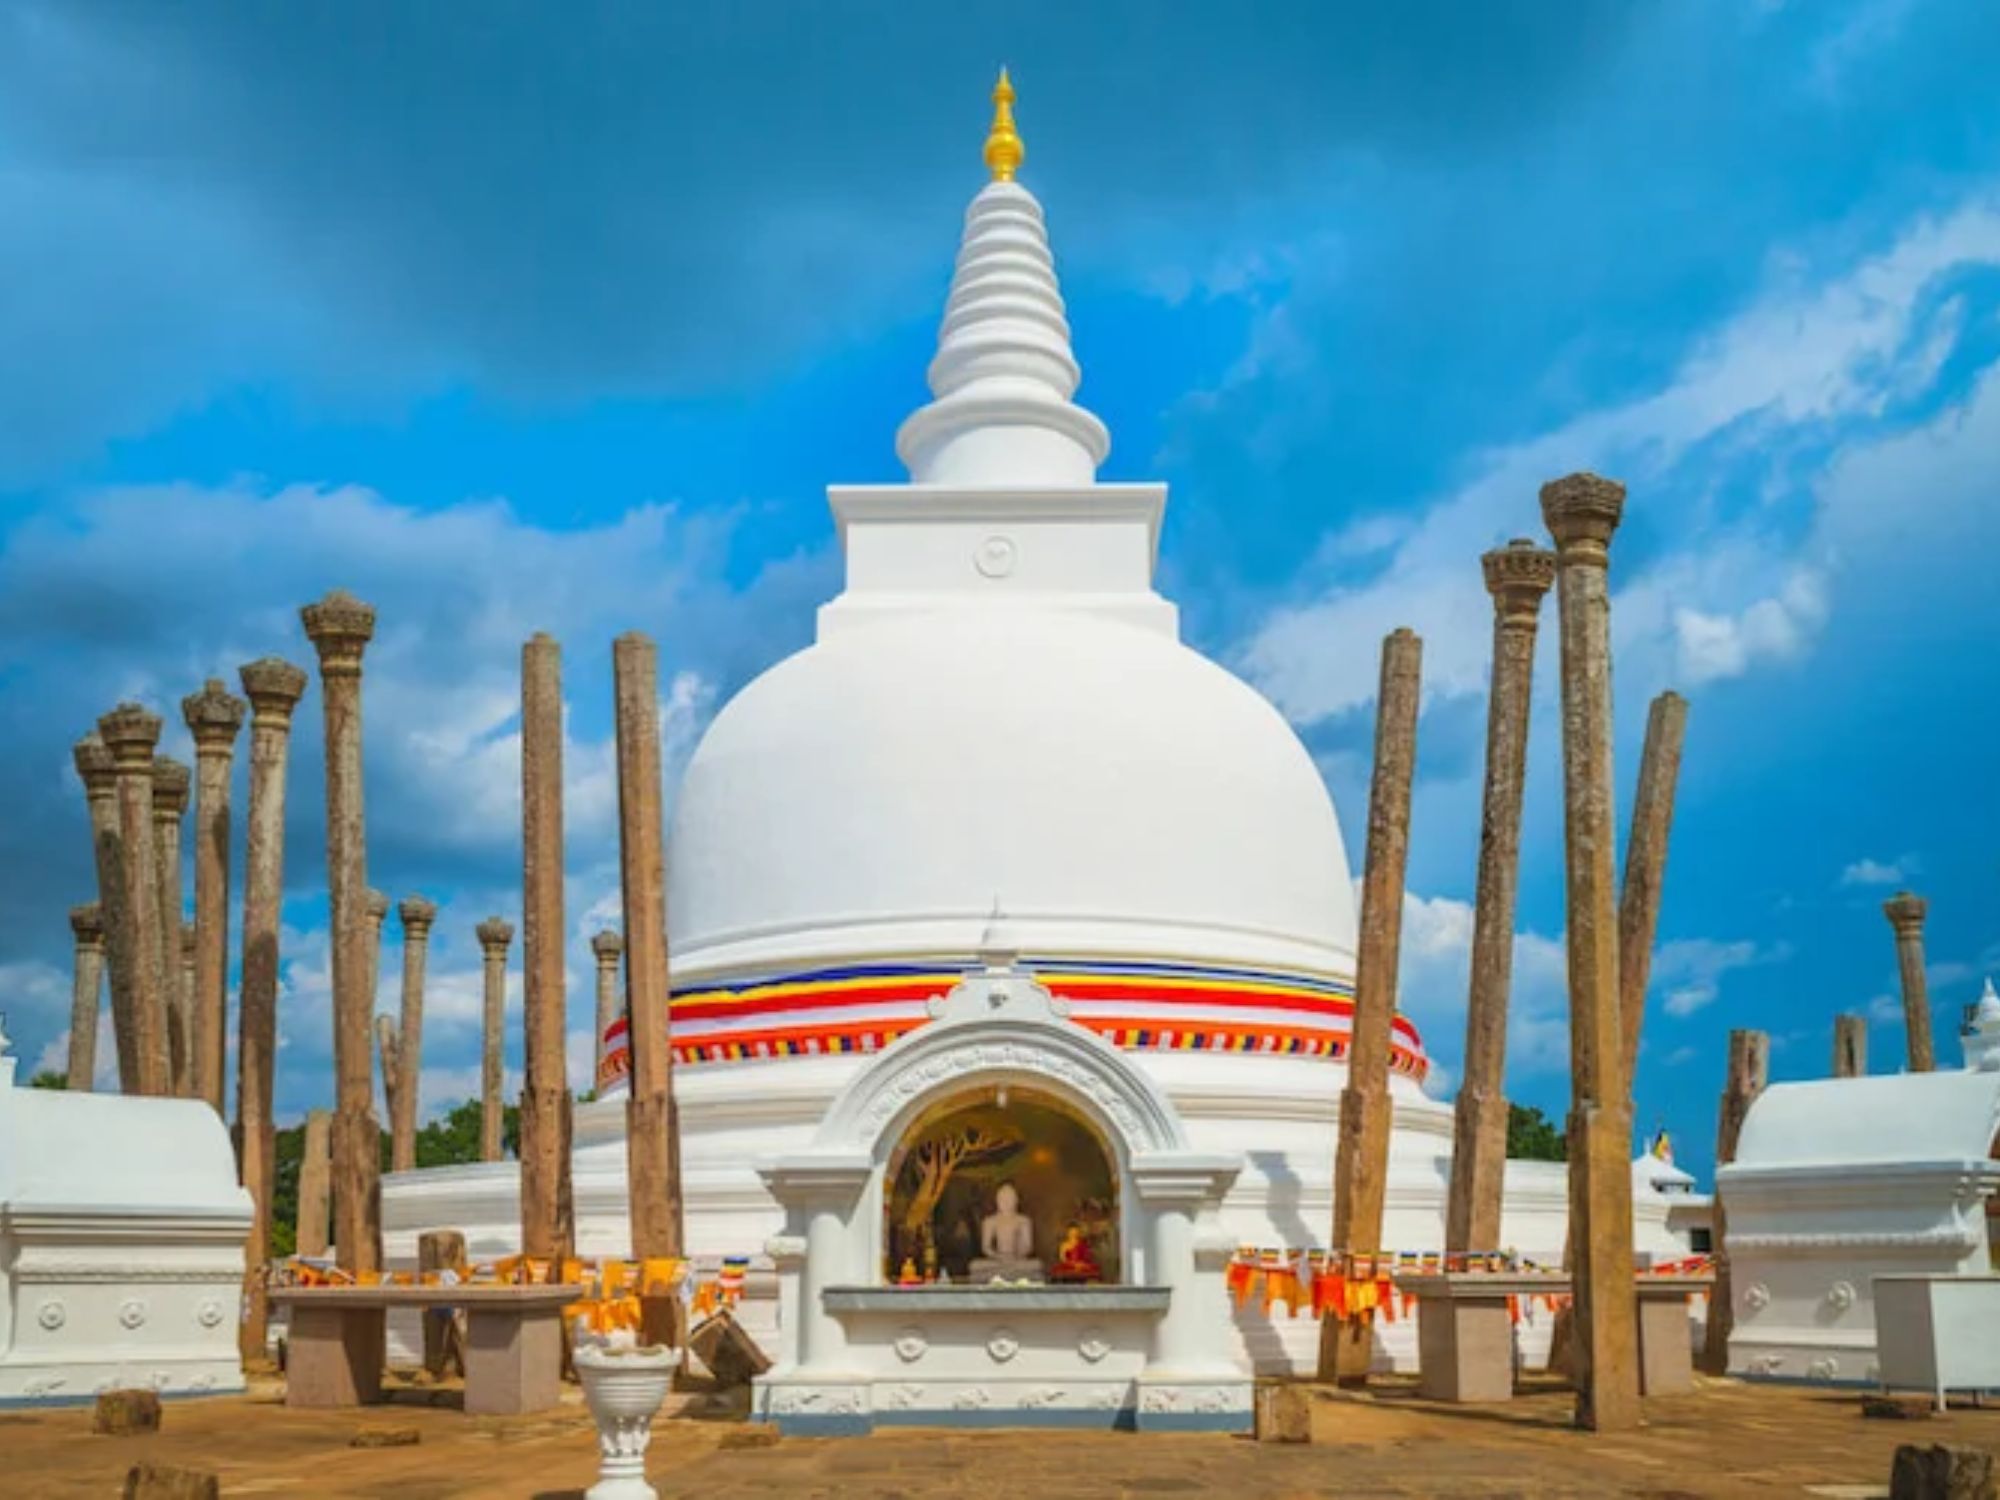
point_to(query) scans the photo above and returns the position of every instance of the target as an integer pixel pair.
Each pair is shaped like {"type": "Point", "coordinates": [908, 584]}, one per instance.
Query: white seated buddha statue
{"type": "Point", "coordinates": [1006, 1241]}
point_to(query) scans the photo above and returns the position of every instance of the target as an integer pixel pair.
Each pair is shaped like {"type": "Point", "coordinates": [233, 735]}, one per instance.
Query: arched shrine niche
{"type": "Point", "coordinates": [945, 1177]}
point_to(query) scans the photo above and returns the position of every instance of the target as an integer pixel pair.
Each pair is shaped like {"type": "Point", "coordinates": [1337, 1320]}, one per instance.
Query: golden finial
{"type": "Point", "coordinates": [1004, 149]}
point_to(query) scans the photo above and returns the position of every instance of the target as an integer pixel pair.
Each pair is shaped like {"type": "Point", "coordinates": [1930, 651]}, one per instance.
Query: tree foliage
{"type": "Point", "coordinates": [49, 1078]}
{"type": "Point", "coordinates": [1532, 1135]}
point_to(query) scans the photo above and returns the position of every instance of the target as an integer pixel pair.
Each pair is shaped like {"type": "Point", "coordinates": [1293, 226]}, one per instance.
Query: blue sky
{"type": "Point", "coordinates": [562, 317]}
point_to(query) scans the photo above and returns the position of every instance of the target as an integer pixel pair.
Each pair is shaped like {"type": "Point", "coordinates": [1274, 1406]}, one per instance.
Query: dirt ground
{"type": "Point", "coordinates": [1725, 1440]}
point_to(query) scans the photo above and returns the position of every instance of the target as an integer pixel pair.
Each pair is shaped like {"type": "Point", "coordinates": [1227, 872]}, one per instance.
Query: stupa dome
{"type": "Point", "coordinates": [1101, 787]}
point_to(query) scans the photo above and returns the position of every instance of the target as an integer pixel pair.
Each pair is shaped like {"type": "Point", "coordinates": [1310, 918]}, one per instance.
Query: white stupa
{"type": "Point", "coordinates": [998, 744]}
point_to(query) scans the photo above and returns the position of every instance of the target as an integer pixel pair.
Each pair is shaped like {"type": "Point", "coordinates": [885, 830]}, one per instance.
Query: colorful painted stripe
{"type": "Point", "coordinates": [1135, 1005]}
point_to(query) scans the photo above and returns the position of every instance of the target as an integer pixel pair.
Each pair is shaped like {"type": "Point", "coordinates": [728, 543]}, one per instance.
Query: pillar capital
{"type": "Point", "coordinates": [1906, 913]}
{"type": "Point", "coordinates": [495, 933]}
{"type": "Point", "coordinates": [214, 717]}
{"type": "Point", "coordinates": [130, 732]}
{"type": "Point", "coordinates": [417, 915]}
{"type": "Point", "coordinates": [376, 904]}
{"type": "Point", "coordinates": [1517, 575]}
{"type": "Point", "coordinates": [273, 686]}
{"type": "Point", "coordinates": [95, 765]}
{"type": "Point", "coordinates": [1581, 511]}
{"type": "Point", "coordinates": [170, 788]}
{"type": "Point", "coordinates": [607, 945]}
{"type": "Point", "coordinates": [87, 922]}
{"type": "Point", "coordinates": [340, 627]}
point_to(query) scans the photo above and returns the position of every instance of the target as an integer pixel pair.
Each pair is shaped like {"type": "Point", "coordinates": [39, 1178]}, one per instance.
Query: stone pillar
{"type": "Point", "coordinates": [130, 732]}
{"type": "Point", "coordinates": [494, 936]}
{"type": "Point", "coordinates": [184, 992]}
{"type": "Point", "coordinates": [547, 1218]}
{"type": "Point", "coordinates": [652, 1125]}
{"type": "Point", "coordinates": [340, 628]}
{"type": "Point", "coordinates": [375, 907]}
{"type": "Point", "coordinates": [214, 716]}
{"type": "Point", "coordinates": [1361, 1164]}
{"type": "Point", "coordinates": [1517, 576]}
{"type": "Point", "coordinates": [1582, 512]}
{"type": "Point", "coordinates": [315, 1184]}
{"type": "Point", "coordinates": [417, 915]}
{"type": "Point", "coordinates": [1749, 1072]}
{"type": "Point", "coordinates": [1850, 1046]}
{"type": "Point", "coordinates": [98, 772]}
{"type": "Point", "coordinates": [87, 923]}
{"type": "Point", "coordinates": [1906, 914]}
{"type": "Point", "coordinates": [1646, 865]}
{"type": "Point", "coordinates": [273, 687]}
{"type": "Point", "coordinates": [170, 800]}
{"type": "Point", "coordinates": [389, 1047]}
{"type": "Point", "coordinates": [607, 947]}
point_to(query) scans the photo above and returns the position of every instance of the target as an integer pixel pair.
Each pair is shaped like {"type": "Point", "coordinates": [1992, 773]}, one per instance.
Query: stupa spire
{"type": "Point", "coordinates": [1005, 150]}
{"type": "Point", "coordinates": [1001, 413]}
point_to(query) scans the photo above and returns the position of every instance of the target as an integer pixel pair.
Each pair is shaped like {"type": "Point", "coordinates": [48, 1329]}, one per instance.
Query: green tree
{"type": "Point", "coordinates": [452, 1139]}
{"type": "Point", "coordinates": [1532, 1135]}
{"type": "Point", "coordinates": [49, 1078]}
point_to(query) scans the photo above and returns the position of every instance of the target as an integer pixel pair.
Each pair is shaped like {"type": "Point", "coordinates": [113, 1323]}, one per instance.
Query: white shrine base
{"type": "Point", "coordinates": [1073, 1357]}
{"type": "Point", "coordinates": [121, 1247]}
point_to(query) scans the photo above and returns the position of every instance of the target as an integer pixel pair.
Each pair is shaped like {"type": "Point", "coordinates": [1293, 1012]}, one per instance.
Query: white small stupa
{"type": "Point", "coordinates": [121, 1245]}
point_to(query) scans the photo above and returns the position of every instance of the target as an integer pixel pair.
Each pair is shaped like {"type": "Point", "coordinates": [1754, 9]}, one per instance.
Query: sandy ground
{"type": "Point", "coordinates": [1724, 1440]}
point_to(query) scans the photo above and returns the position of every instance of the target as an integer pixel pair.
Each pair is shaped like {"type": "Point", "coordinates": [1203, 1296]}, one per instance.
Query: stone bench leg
{"type": "Point", "coordinates": [1666, 1350]}
{"type": "Point", "coordinates": [1465, 1349]}
{"type": "Point", "coordinates": [513, 1360]}
{"type": "Point", "coordinates": [333, 1356]}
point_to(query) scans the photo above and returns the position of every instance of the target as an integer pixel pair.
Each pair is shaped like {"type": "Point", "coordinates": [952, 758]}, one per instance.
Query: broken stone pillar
{"type": "Point", "coordinates": [273, 688]}
{"type": "Point", "coordinates": [374, 912]}
{"type": "Point", "coordinates": [652, 1126]}
{"type": "Point", "coordinates": [87, 924]}
{"type": "Point", "coordinates": [1749, 1072]}
{"type": "Point", "coordinates": [547, 1217]}
{"type": "Point", "coordinates": [315, 1184]}
{"type": "Point", "coordinates": [1941, 1471]}
{"type": "Point", "coordinates": [417, 915]}
{"type": "Point", "coordinates": [97, 770]}
{"type": "Point", "coordinates": [130, 733]}
{"type": "Point", "coordinates": [1517, 576]}
{"type": "Point", "coordinates": [1646, 865]}
{"type": "Point", "coordinates": [1850, 1046]}
{"type": "Point", "coordinates": [494, 936]}
{"type": "Point", "coordinates": [375, 907]}
{"type": "Point", "coordinates": [1582, 511]}
{"type": "Point", "coordinates": [214, 716]}
{"type": "Point", "coordinates": [1906, 915]}
{"type": "Point", "coordinates": [389, 1046]}
{"type": "Point", "coordinates": [1361, 1164]}
{"type": "Point", "coordinates": [170, 800]}
{"type": "Point", "coordinates": [340, 627]}
{"type": "Point", "coordinates": [184, 993]}
{"type": "Point", "coordinates": [606, 947]}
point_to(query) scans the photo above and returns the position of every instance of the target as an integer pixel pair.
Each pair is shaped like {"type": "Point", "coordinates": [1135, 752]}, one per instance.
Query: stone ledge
{"type": "Point", "coordinates": [996, 1299]}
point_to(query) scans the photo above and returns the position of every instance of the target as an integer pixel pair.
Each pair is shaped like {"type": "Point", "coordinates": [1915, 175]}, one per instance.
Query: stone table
{"type": "Point", "coordinates": [513, 1343]}
{"type": "Point", "coordinates": [1465, 1337]}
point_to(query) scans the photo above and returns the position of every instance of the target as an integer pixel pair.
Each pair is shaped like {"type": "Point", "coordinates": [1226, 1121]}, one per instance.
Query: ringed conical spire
{"type": "Point", "coordinates": [1003, 376]}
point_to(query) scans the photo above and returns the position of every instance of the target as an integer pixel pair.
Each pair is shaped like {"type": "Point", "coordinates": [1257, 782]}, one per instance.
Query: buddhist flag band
{"type": "Point", "coordinates": [1134, 1005]}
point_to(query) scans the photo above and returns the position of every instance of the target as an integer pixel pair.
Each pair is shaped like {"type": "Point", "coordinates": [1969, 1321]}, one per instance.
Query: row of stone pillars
{"type": "Point", "coordinates": [1610, 938]}
{"type": "Point", "coordinates": [169, 1028]}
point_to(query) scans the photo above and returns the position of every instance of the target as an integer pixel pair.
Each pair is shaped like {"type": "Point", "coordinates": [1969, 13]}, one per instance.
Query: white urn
{"type": "Point", "coordinates": [623, 1386]}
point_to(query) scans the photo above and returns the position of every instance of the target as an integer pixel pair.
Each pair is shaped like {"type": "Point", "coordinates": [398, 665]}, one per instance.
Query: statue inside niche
{"type": "Point", "coordinates": [1006, 1241]}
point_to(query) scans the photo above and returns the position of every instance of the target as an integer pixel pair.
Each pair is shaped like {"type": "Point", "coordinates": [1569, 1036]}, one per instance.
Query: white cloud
{"type": "Point", "coordinates": [1688, 972]}
{"type": "Point", "coordinates": [1802, 357]}
{"type": "Point", "coordinates": [1865, 872]}
{"type": "Point", "coordinates": [1435, 970]}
